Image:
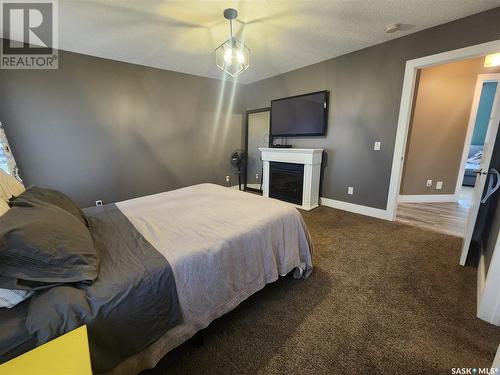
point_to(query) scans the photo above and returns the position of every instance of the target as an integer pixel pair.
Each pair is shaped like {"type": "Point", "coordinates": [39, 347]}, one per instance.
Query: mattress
{"type": "Point", "coordinates": [223, 246]}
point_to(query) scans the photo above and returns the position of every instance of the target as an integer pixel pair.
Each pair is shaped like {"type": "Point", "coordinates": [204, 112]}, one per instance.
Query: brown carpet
{"type": "Point", "coordinates": [384, 298]}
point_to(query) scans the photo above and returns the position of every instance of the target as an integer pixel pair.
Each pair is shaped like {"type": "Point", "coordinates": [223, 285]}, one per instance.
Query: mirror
{"type": "Point", "coordinates": [257, 135]}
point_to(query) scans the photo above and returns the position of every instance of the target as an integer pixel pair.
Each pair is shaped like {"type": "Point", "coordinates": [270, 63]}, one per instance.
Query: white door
{"type": "Point", "coordinates": [482, 174]}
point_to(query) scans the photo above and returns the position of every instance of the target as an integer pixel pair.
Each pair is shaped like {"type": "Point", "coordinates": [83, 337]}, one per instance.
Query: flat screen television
{"type": "Point", "coordinates": [302, 115]}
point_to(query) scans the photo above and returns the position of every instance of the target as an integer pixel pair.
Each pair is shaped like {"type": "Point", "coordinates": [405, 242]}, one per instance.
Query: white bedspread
{"type": "Point", "coordinates": [223, 246]}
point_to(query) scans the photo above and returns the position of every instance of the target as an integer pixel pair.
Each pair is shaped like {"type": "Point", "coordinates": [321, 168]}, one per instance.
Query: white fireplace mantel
{"type": "Point", "coordinates": [309, 157]}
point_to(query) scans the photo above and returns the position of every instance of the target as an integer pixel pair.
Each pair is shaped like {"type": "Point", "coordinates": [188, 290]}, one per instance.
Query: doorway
{"type": "Point", "coordinates": [450, 117]}
{"type": "Point", "coordinates": [405, 113]}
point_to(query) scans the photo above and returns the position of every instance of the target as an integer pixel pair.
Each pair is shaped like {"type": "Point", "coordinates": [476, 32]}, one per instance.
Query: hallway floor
{"type": "Point", "coordinates": [448, 217]}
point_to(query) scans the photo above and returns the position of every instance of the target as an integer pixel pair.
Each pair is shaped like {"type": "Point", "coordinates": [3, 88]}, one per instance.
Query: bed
{"type": "Point", "coordinates": [170, 264]}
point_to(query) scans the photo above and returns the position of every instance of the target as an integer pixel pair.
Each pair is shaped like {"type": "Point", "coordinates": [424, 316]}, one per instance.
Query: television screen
{"type": "Point", "coordinates": [301, 115]}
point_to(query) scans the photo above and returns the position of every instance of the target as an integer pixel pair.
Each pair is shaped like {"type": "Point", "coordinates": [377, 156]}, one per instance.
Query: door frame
{"type": "Point", "coordinates": [481, 80]}
{"type": "Point", "coordinates": [406, 105]}
{"type": "Point", "coordinates": [249, 112]}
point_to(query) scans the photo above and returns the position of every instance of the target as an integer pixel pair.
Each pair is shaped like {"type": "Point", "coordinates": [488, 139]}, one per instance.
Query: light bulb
{"type": "Point", "coordinates": [228, 55]}
{"type": "Point", "coordinates": [240, 57]}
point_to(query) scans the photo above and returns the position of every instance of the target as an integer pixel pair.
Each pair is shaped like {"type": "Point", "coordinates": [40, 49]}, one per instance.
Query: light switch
{"type": "Point", "coordinates": [350, 190]}
{"type": "Point", "coordinates": [377, 145]}
{"type": "Point", "coordinates": [439, 185]}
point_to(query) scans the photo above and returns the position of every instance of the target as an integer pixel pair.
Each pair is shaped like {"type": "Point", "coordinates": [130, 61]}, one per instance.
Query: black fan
{"type": "Point", "coordinates": [238, 161]}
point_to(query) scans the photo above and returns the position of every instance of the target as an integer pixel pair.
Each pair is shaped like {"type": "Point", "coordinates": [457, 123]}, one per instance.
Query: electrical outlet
{"type": "Point", "coordinates": [350, 190]}
{"type": "Point", "coordinates": [377, 146]}
{"type": "Point", "coordinates": [228, 179]}
{"type": "Point", "coordinates": [98, 203]}
{"type": "Point", "coordinates": [256, 176]}
{"type": "Point", "coordinates": [429, 183]}
{"type": "Point", "coordinates": [439, 185]}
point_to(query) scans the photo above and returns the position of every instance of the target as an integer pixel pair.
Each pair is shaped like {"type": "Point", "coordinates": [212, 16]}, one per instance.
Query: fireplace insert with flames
{"type": "Point", "coordinates": [286, 181]}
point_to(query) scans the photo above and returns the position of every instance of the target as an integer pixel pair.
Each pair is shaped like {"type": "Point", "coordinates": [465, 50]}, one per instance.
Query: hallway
{"type": "Point", "coordinates": [447, 217]}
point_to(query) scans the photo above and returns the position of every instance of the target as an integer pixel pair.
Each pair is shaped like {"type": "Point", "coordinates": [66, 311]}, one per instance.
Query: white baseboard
{"type": "Point", "coordinates": [428, 198]}
{"type": "Point", "coordinates": [356, 208]}
{"type": "Point", "coordinates": [254, 186]}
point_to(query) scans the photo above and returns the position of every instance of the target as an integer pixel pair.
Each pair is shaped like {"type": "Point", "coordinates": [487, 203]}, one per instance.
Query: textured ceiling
{"type": "Point", "coordinates": [282, 35]}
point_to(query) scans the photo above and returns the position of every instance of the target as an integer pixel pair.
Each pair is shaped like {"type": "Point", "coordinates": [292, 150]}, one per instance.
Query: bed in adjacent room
{"type": "Point", "coordinates": [168, 265]}
{"type": "Point", "coordinates": [472, 164]}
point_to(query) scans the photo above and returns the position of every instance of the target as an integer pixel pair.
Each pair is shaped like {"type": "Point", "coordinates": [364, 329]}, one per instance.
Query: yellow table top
{"type": "Point", "coordinates": [66, 355]}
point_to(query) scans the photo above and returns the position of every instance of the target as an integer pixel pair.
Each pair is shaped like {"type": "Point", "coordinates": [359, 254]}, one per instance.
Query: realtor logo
{"type": "Point", "coordinates": [29, 34]}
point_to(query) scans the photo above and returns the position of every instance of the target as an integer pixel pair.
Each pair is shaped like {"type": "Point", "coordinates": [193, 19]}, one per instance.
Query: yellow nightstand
{"type": "Point", "coordinates": [66, 355]}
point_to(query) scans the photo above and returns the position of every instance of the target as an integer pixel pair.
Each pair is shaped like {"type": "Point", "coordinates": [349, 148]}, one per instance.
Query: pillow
{"type": "Point", "coordinates": [476, 158]}
{"type": "Point", "coordinates": [19, 284]}
{"type": "Point", "coordinates": [9, 186]}
{"type": "Point", "coordinates": [58, 310]}
{"type": "Point", "coordinates": [11, 297]}
{"type": "Point", "coordinates": [474, 149]}
{"type": "Point", "coordinates": [4, 207]}
{"type": "Point", "coordinates": [42, 243]}
{"type": "Point", "coordinates": [36, 194]}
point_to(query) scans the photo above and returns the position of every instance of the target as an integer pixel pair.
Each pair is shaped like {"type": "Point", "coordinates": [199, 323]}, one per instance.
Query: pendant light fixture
{"type": "Point", "coordinates": [232, 56]}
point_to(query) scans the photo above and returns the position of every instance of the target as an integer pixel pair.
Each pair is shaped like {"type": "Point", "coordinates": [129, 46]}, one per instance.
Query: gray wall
{"type": "Point", "coordinates": [365, 91]}
{"type": "Point", "coordinates": [101, 129]}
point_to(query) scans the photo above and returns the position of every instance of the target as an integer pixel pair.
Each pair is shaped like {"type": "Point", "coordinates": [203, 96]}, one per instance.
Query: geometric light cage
{"type": "Point", "coordinates": [233, 57]}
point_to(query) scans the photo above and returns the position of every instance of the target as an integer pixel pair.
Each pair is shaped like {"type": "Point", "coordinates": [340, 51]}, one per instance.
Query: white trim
{"type": "Point", "coordinates": [356, 208]}
{"type": "Point", "coordinates": [292, 155]}
{"type": "Point", "coordinates": [406, 107]}
{"type": "Point", "coordinates": [481, 79]}
{"type": "Point", "coordinates": [431, 198]}
{"type": "Point", "coordinates": [496, 361]}
{"type": "Point", "coordinates": [310, 158]}
{"type": "Point", "coordinates": [297, 206]}
{"type": "Point", "coordinates": [308, 208]}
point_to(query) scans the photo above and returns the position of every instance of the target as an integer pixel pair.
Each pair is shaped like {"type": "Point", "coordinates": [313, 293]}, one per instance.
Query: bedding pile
{"type": "Point", "coordinates": [105, 275]}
